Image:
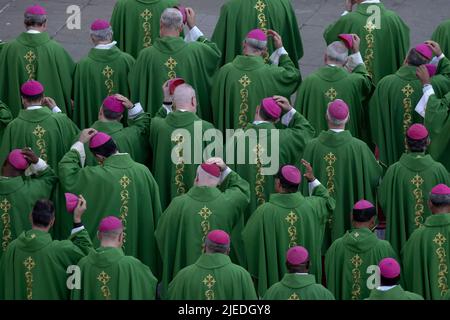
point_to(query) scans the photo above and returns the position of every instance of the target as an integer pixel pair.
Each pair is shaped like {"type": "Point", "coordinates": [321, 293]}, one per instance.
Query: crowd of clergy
{"type": "Point", "coordinates": [102, 196]}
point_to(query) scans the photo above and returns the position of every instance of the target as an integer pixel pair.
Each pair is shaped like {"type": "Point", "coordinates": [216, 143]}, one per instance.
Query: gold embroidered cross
{"type": "Point", "coordinates": [370, 26]}
{"type": "Point", "coordinates": [331, 94]}
{"type": "Point", "coordinates": [178, 138]}
{"type": "Point", "coordinates": [291, 218]}
{"type": "Point", "coordinates": [30, 56]}
{"type": "Point", "coordinates": [356, 261]}
{"type": "Point", "coordinates": [205, 213]}
{"type": "Point", "coordinates": [29, 263]}
{"type": "Point", "coordinates": [417, 181]}
{"type": "Point", "coordinates": [209, 281]}
{"type": "Point", "coordinates": [408, 90]}
{"type": "Point", "coordinates": [146, 14]}
{"type": "Point", "coordinates": [5, 205]}
{"type": "Point", "coordinates": [103, 277]}
{"type": "Point", "coordinates": [124, 181]}
{"type": "Point", "coordinates": [39, 131]}
{"type": "Point", "coordinates": [294, 296]}
{"type": "Point", "coordinates": [330, 158]}
{"type": "Point", "coordinates": [356, 234]}
{"type": "Point", "coordinates": [439, 239]}
{"type": "Point", "coordinates": [245, 81]}
{"type": "Point", "coordinates": [108, 72]}
{"type": "Point", "coordinates": [171, 63]}
{"type": "Point", "coordinates": [260, 5]}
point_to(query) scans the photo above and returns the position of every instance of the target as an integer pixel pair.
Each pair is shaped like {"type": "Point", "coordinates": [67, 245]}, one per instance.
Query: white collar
{"type": "Point", "coordinates": [33, 31]}
{"type": "Point", "coordinates": [371, 1]}
{"type": "Point", "coordinates": [385, 288]}
{"type": "Point", "coordinates": [33, 107]}
{"type": "Point", "coordinates": [256, 122]}
{"type": "Point", "coordinates": [302, 273]}
{"type": "Point", "coordinates": [331, 65]}
{"type": "Point", "coordinates": [106, 46]}
{"type": "Point", "coordinates": [337, 130]}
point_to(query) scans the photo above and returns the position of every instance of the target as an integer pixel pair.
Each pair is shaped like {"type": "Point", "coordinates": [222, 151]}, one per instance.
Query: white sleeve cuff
{"type": "Point", "coordinates": [56, 109]}
{"type": "Point", "coordinates": [436, 60]}
{"type": "Point", "coordinates": [275, 57]}
{"type": "Point", "coordinates": [354, 60]}
{"type": "Point", "coordinates": [75, 230]}
{"type": "Point", "coordinates": [40, 166]}
{"type": "Point", "coordinates": [168, 108]}
{"type": "Point", "coordinates": [286, 119]}
{"type": "Point", "coordinates": [422, 104]}
{"type": "Point", "coordinates": [224, 174]}
{"type": "Point", "coordinates": [345, 13]}
{"type": "Point", "coordinates": [193, 35]}
{"type": "Point", "coordinates": [79, 146]}
{"type": "Point", "coordinates": [135, 111]}
{"type": "Point", "coordinates": [312, 185]}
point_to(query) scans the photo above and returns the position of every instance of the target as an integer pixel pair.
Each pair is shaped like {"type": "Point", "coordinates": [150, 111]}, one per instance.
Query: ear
{"type": "Point", "coordinates": [52, 222]}
{"type": "Point", "coordinates": [99, 236]}
{"type": "Point", "coordinates": [30, 218]}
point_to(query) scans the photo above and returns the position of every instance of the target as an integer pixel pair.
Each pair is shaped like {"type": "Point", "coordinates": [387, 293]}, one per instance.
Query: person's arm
{"type": "Point", "coordinates": [428, 91]}
{"type": "Point", "coordinates": [51, 104]}
{"type": "Point", "coordinates": [195, 34]}
{"type": "Point", "coordinates": [79, 235]}
{"type": "Point", "coordinates": [316, 189]}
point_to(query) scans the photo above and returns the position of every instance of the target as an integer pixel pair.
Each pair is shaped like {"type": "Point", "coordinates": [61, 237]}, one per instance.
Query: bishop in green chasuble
{"type": "Point", "coordinates": [442, 36]}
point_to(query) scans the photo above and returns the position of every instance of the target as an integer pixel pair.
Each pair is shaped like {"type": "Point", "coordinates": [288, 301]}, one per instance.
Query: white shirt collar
{"type": "Point", "coordinates": [33, 31]}
{"type": "Point", "coordinates": [337, 130]}
{"type": "Point", "coordinates": [106, 46]}
{"type": "Point", "coordinates": [371, 1]}
{"type": "Point", "coordinates": [33, 107]}
{"type": "Point", "coordinates": [385, 288]}
{"type": "Point", "coordinates": [302, 273]}
{"type": "Point", "coordinates": [256, 122]}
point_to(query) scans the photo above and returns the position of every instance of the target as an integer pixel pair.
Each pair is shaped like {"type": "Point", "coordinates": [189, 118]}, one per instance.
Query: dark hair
{"type": "Point", "coordinates": [416, 59]}
{"type": "Point", "coordinates": [297, 268]}
{"type": "Point", "coordinates": [33, 98]}
{"type": "Point", "coordinates": [216, 248]}
{"type": "Point", "coordinates": [389, 281]}
{"type": "Point", "coordinates": [33, 20]}
{"type": "Point", "coordinates": [286, 185]}
{"type": "Point", "coordinates": [440, 200]}
{"type": "Point", "coordinates": [364, 215]}
{"type": "Point", "coordinates": [43, 213]}
{"type": "Point", "coordinates": [417, 145]}
{"type": "Point", "coordinates": [111, 115]}
{"type": "Point", "coordinates": [265, 116]}
{"type": "Point", "coordinates": [106, 150]}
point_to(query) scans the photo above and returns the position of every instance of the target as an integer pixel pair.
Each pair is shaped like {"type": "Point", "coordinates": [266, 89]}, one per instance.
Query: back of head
{"type": "Point", "coordinates": [110, 232]}
{"type": "Point", "coordinates": [417, 138]}
{"type": "Point", "coordinates": [208, 175]}
{"type": "Point", "coordinates": [43, 213]}
{"type": "Point", "coordinates": [255, 42]}
{"type": "Point", "coordinates": [217, 241]}
{"type": "Point", "coordinates": [337, 53]}
{"type": "Point", "coordinates": [35, 16]}
{"type": "Point", "coordinates": [297, 260]}
{"type": "Point", "coordinates": [363, 212]}
{"type": "Point", "coordinates": [337, 113]}
{"type": "Point", "coordinates": [102, 35]}
{"type": "Point", "coordinates": [290, 178]}
{"type": "Point", "coordinates": [415, 59]}
{"type": "Point", "coordinates": [172, 19]}
{"type": "Point", "coordinates": [32, 92]}
{"type": "Point", "coordinates": [389, 272]}
{"type": "Point", "coordinates": [440, 198]}
{"type": "Point", "coordinates": [184, 98]}
{"type": "Point", "coordinates": [102, 145]}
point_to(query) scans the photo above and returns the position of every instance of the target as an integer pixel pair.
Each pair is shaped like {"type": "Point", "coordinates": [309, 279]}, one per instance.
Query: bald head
{"type": "Point", "coordinates": [336, 53]}
{"type": "Point", "coordinates": [171, 22]}
{"type": "Point", "coordinates": [184, 98]}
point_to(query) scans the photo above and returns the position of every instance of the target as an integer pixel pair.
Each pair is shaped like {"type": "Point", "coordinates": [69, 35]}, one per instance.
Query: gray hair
{"type": "Point", "coordinates": [182, 95]}
{"type": "Point", "coordinates": [215, 247]}
{"type": "Point", "coordinates": [335, 121]}
{"type": "Point", "coordinates": [337, 52]}
{"type": "Point", "coordinates": [172, 18]}
{"type": "Point", "coordinates": [34, 19]}
{"type": "Point", "coordinates": [102, 35]}
{"type": "Point", "coordinates": [440, 200]}
{"type": "Point", "coordinates": [256, 45]}
{"type": "Point", "coordinates": [112, 234]}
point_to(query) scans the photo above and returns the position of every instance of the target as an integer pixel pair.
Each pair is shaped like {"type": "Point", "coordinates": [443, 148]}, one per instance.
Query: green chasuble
{"type": "Point", "coordinates": [171, 57]}
{"type": "Point", "coordinates": [437, 121]}
{"type": "Point", "coordinates": [384, 41]}
{"type": "Point", "coordinates": [34, 266]}
{"type": "Point", "coordinates": [442, 36]}
{"type": "Point", "coordinates": [212, 277]}
{"type": "Point", "coordinates": [287, 220]}
{"type": "Point", "coordinates": [108, 274]}
{"type": "Point", "coordinates": [119, 187]}
{"type": "Point", "coordinates": [5, 118]}
{"type": "Point", "coordinates": [166, 137]}
{"type": "Point", "coordinates": [396, 293]}
{"type": "Point", "coordinates": [392, 106]}
{"type": "Point", "coordinates": [240, 86]}
{"type": "Point", "coordinates": [18, 196]}
{"type": "Point", "coordinates": [278, 15]}
{"type": "Point", "coordinates": [184, 224]}
{"type": "Point", "coordinates": [36, 56]}
{"type": "Point", "coordinates": [298, 287]}
{"type": "Point", "coordinates": [135, 23]}
{"type": "Point", "coordinates": [100, 74]}
{"type": "Point", "coordinates": [403, 195]}
{"type": "Point", "coordinates": [425, 258]}
{"type": "Point", "coordinates": [349, 170]}
{"type": "Point", "coordinates": [329, 83]}
{"type": "Point", "coordinates": [349, 260]}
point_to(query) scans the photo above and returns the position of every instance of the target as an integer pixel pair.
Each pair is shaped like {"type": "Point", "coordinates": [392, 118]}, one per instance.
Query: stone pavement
{"type": "Point", "coordinates": [313, 17]}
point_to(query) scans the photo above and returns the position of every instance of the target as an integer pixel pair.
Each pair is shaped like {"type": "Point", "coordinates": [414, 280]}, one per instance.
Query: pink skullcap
{"type": "Point", "coordinates": [174, 83]}
{"type": "Point", "coordinates": [297, 255]}
{"type": "Point", "coordinates": [183, 12]}
{"type": "Point", "coordinates": [71, 201]}
{"type": "Point", "coordinates": [271, 107]}
{"type": "Point", "coordinates": [113, 104]}
{"type": "Point", "coordinates": [32, 88]}
{"type": "Point", "coordinates": [36, 10]}
{"type": "Point", "coordinates": [99, 139]}
{"type": "Point", "coordinates": [17, 160]}
{"type": "Point", "coordinates": [211, 169]}
{"type": "Point", "coordinates": [363, 205]}
{"type": "Point", "coordinates": [425, 50]}
{"type": "Point", "coordinates": [291, 174]}
{"type": "Point", "coordinates": [389, 268]}
{"type": "Point", "coordinates": [432, 69]}
{"type": "Point", "coordinates": [347, 39]}
{"type": "Point", "coordinates": [417, 132]}
{"type": "Point", "coordinates": [257, 34]}
{"type": "Point", "coordinates": [338, 109]}
{"type": "Point", "coordinates": [110, 223]}
{"type": "Point", "coordinates": [100, 24]}
{"type": "Point", "coordinates": [441, 189]}
{"type": "Point", "coordinates": [219, 237]}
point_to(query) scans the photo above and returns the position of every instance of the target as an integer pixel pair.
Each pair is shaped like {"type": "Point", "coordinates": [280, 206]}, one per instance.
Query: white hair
{"type": "Point", "coordinates": [256, 44]}
{"type": "Point", "coordinates": [172, 18]}
{"type": "Point", "coordinates": [205, 179]}
{"type": "Point", "coordinates": [335, 121]}
{"type": "Point", "coordinates": [102, 35]}
{"type": "Point", "coordinates": [183, 95]}
{"type": "Point", "coordinates": [337, 52]}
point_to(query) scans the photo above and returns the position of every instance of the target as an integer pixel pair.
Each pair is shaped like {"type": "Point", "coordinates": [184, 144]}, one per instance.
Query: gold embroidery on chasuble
{"type": "Point", "coordinates": [356, 276]}
{"type": "Point", "coordinates": [30, 66]}
{"type": "Point", "coordinates": [294, 296]}
{"type": "Point", "coordinates": [259, 179]}
{"type": "Point", "coordinates": [171, 63]}
{"type": "Point", "coordinates": [292, 219]}
{"type": "Point", "coordinates": [5, 206]}
{"type": "Point", "coordinates": [417, 181]}
{"type": "Point", "coordinates": [209, 282]}
{"type": "Point", "coordinates": [243, 107]}
{"type": "Point", "coordinates": [39, 132]}
{"type": "Point", "coordinates": [124, 200]}
{"type": "Point", "coordinates": [407, 108]}
{"type": "Point", "coordinates": [369, 52]}
{"type": "Point", "coordinates": [29, 264]}
{"type": "Point", "coordinates": [109, 83]}
{"type": "Point", "coordinates": [146, 16]}
{"type": "Point", "coordinates": [104, 278]}
{"type": "Point", "coordinates": [331, 94]}
{"type": "Point", "coordinates": [441, 254]}
{"type": "Point", "coordinates": [205, 213]}
{"type": "Point", "coordinates": [262, 21]}
{"type": "Point", "coordinates": [330, 159]}
{"type": "Point", "coordinates": [179, 167]}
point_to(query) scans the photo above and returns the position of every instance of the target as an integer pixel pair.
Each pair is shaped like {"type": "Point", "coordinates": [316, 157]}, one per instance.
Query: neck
{"type": "Point", "coordinates": [110, 244]}
{"type": "Point", "coordinates": [102, 42]}
{"type": "Point", "coordinates": [11, 173]}
{"type": "Point", "coordinates": [169, 33]}
{"type": "Point", "coordinates": [442, 210]}
{"type": "Point", "coordinates": [361, 225]}
{"type": "Point", "coordinates": [327, 62]}
{"type": "Point", "coordinates": [333, 126]}
{"type": "Point", "coordinates": [44, 229]}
